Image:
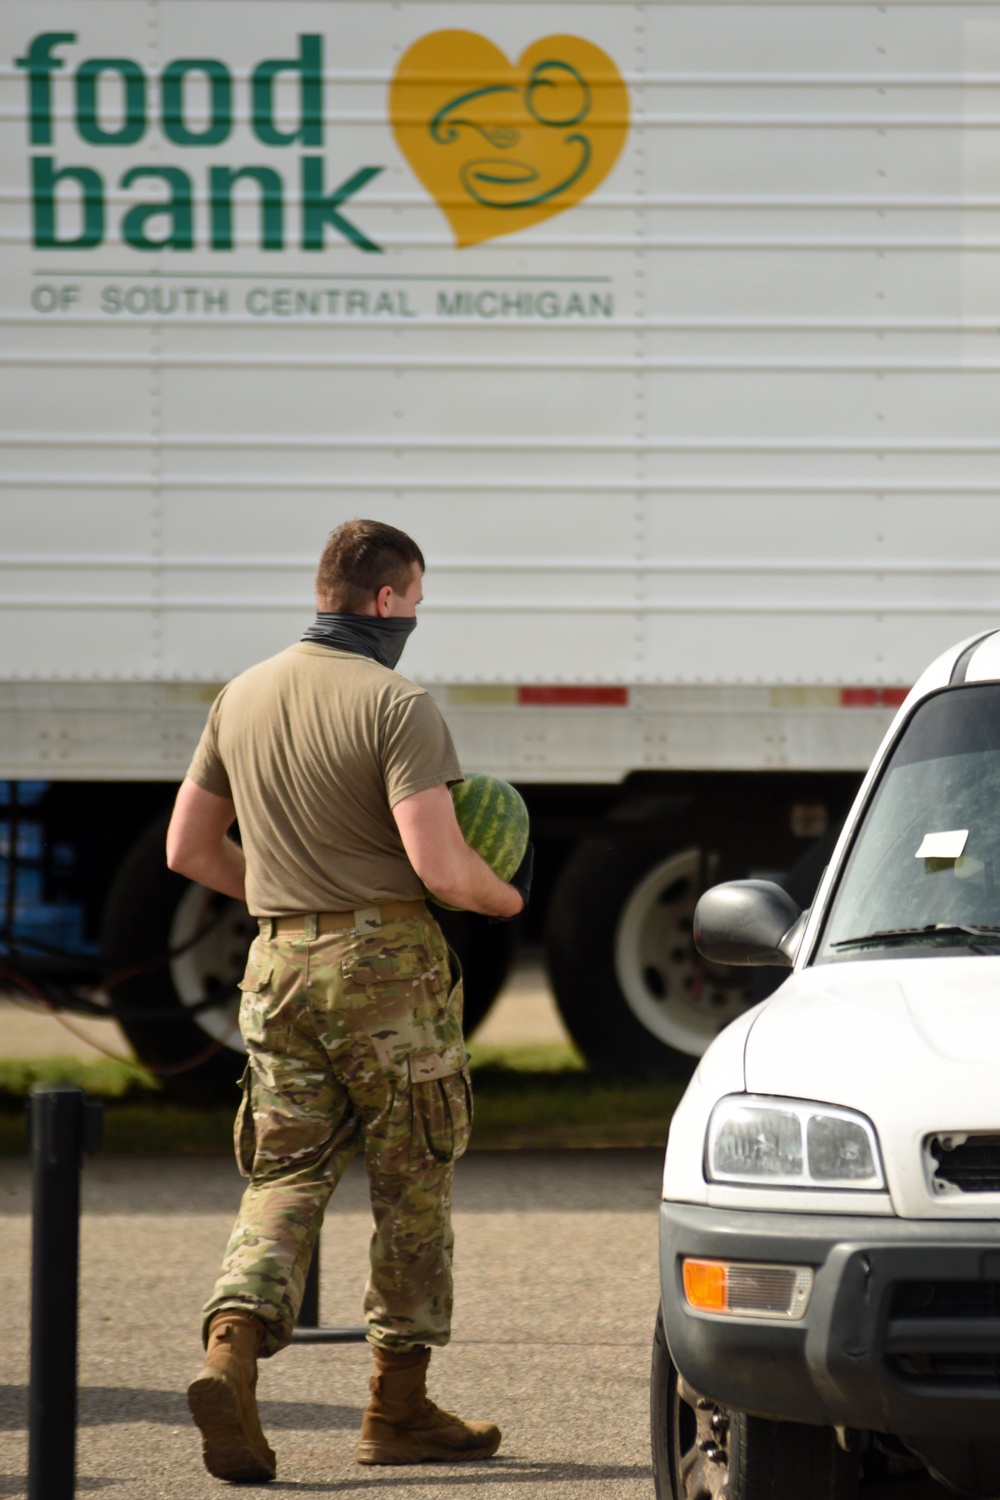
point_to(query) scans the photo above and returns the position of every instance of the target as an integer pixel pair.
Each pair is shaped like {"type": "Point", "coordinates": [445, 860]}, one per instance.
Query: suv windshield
{"type": "Point", "coordinates": [925, 865]}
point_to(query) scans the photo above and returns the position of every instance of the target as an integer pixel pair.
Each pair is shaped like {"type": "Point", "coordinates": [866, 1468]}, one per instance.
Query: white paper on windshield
{"type": "Point", "coordinates": [947, 845]}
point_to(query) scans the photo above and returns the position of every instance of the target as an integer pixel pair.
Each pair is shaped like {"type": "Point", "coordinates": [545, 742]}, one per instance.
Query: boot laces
{"type": "Point", "coordinates": [436, 1416]}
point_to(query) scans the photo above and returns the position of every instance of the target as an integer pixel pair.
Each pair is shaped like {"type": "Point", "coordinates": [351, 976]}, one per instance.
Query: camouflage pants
{"type": "Point", "coordinates": [354, 1039]}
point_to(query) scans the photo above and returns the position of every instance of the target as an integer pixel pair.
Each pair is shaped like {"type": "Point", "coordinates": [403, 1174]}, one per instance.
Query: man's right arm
{"type": "Point", "coordinates": [444, 861]}
{"type": "Point", "coordinates": [198, 845]}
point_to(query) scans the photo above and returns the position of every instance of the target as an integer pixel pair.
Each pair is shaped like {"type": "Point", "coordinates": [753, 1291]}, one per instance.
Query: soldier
{"type": "Point", "coordinates": [338, 770]}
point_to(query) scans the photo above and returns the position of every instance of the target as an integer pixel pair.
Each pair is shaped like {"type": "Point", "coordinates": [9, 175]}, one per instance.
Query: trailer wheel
{"type": "Point", "coordinates": [152, 921]}
{"type": "Point", "coordinates": [190, 945]}
{"type": "Point", "coordinates": [703, 1451]}
{"type": "Point", "coordinates": [632, 989]}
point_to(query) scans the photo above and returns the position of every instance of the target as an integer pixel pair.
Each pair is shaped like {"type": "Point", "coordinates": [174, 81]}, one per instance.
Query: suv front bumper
{"type": "Point", "coordinates": [901, 1335]}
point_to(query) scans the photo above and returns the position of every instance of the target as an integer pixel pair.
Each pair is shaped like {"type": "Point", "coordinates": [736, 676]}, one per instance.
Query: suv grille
{"type": "Point", "coordinates": [946, 1332]}
{"type": "Point", "coordinates": [975, 1371]}
{"type": "Point", "coordinates": [946, 1299]}
{"type": "Point", "coordinates": [973, 1166]}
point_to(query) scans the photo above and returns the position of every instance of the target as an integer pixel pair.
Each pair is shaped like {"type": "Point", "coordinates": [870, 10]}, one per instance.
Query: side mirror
{"type": "Point", "coordinates": [748, 922]}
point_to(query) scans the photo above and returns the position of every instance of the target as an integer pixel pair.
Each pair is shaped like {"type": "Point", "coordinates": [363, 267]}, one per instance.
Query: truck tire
{"type": "Point", "coordinates": [151, 918]}
{"type": "Point", "coordinates": [152, 922]}
{"type": "Point", "coordinates": [633, 991]}
{"type": "Point", "coordinates": [706, 1452]}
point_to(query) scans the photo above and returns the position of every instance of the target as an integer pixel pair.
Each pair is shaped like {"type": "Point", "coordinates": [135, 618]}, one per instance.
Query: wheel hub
{"type": "Point", "coordinates": [212, 964]}
{"type": "Point", "coordinates": [703, 1468]}
{"type": "Point", "coordinates": [675, 994]}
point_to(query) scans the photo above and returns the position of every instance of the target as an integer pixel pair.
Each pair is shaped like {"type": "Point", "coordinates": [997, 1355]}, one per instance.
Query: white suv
{"type": "Point", "coordinates": [830, 1223]}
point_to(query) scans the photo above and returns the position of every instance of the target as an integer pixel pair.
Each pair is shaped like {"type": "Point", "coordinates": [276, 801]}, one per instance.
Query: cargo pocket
{"type": "Point", "coordinates": [256, 1000]}
{"type": "Point", "coordinates": [256, 976]}
{"type": "Point", "coordinates": [441, 1095]}
{"type": "Point", "coordinates": [244, 1130]}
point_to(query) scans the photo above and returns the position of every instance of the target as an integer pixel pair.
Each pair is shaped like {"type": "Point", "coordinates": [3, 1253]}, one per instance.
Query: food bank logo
{"type": "Point", "coordinates": [503, 145]}
{"type": "Point", "coordinates": [498, 145]}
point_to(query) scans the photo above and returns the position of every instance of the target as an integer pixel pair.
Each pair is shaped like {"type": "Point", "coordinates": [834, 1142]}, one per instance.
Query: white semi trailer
{"type": "Point", "coordinates": [669, 329]}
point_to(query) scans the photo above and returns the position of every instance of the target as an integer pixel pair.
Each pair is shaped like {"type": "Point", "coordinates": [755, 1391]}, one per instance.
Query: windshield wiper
{"type": "Point", "coordinates": [933, 929]}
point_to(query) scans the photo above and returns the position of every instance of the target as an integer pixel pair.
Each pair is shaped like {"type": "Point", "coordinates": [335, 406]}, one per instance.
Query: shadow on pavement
{"type": "Point", "coordinates": [17, 1485]}
{"type": "Point", "coordinates": [103, 1406]}
{"type": "Point", "coordinates": [495, 1471]}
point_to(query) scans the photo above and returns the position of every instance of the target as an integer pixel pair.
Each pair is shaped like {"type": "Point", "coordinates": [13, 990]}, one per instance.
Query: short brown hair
{"type": "Point", "coordinates": [360, 558]}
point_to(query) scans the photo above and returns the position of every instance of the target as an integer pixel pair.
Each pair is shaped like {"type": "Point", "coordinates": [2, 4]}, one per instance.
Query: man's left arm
{"type": "Point", "coordinates": [197, 842]}
{"type": "Point", "coordinates": [445, 863]}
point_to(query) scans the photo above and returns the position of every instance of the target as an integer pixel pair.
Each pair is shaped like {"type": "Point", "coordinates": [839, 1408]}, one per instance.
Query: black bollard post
{"type": "Point", "coordinates": [309, 1306]}
{"type": "Point", "coordinates": [62, 1124]}
{"type": "Point", "coordinates": [308, 1329]}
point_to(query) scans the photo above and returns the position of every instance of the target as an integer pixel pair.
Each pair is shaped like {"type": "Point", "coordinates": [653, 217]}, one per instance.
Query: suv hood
{"type": "Point", "coordinates": [913, 1044]}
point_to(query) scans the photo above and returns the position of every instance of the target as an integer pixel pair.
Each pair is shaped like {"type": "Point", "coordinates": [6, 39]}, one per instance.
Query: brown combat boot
{"type": "Point", "coordinates": [223, 1401]}
{"type": "Point", "coordinates": [401, 1426]}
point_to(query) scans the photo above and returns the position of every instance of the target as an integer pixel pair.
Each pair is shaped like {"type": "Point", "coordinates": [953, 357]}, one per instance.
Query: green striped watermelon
{"type": "Point", "coordinates": [494, 822]}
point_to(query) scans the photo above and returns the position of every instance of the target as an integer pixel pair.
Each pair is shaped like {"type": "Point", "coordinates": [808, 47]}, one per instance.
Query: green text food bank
{"type": "Point", "coordinates": [171, 224]}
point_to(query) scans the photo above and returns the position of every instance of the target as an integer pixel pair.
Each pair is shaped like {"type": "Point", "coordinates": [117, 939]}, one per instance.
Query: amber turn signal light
{"type": "Point", "coordinates": [747, 1290]}
{"type": "Point", "coordinates": [705, 1284]}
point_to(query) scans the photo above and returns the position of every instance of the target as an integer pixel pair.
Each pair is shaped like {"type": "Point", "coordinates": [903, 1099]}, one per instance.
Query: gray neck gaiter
{"type": "Point", "coordinates": [366, 635]}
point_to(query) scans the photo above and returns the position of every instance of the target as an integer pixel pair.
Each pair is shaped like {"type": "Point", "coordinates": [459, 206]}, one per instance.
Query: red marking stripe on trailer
{"type": "Point", "coordinates": [573, 697]}
{"type": "Point", "coordinates": [872, 697]}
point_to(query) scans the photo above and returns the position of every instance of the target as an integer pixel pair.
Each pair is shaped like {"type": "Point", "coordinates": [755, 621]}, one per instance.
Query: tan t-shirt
{"type": "Point", "coordinates": [315, 746]}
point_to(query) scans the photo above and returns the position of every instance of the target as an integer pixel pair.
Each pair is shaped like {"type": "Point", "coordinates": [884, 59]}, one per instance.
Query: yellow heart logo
{"type": "Point", "coordinates": [500, 145]}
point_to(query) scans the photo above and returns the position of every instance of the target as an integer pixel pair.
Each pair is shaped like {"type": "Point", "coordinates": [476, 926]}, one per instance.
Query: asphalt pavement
{"type": "Point", "coordinates": [556, 1294]}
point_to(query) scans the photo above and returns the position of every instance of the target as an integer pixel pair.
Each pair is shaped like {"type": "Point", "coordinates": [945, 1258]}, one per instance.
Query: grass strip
{"type": "Point", "coordinates": [549, 1111]}
{"type": "Point", "coordinates": [526, 1098]}
{"type": "Point", "coordinates": [534, 1057]}
{"type": "Point", "coordinates": [101, 1076]}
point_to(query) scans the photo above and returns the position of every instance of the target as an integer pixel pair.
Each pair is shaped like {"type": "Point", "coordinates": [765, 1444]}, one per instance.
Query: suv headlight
{"type": "Point", "coordinates": [791, 1143]}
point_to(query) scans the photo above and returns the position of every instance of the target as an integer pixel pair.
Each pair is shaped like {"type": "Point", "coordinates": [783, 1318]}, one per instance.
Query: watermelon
{"type": "Point", "coordinates": [494, 822]}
